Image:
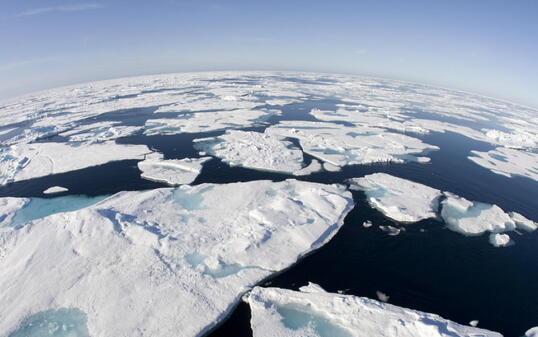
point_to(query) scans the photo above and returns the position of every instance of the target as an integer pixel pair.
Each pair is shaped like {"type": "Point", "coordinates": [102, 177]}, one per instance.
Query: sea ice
{"type": "Point", "coordinates": [55, 189]}
{"type": "Point", "coordinates": [315, 166]}
{"type": "Point", "coordinates": [342, 145]}
{"type": "Point", "coordinates": [406, 201]}
{"type": "Point", "coordinates": [508, 162]}
{"type": "Point", "coordinates": [399, 199]}
{"type": "Point", "coordinates": [172, 171]}
{"type": "Point", "coordinates": [27, 161]}
{"type": "Point", "coordinates": [255, 150]}
{"type": "Point", "coordinates": [205, 121]}
{"type": "Point", "coordinates": [313, 312]}
{"type": "Point", "coordinates": [9, 207]}
{"type": "Point", "coordinates": [147, 263]}
{"type": "Point", "coordinates": [57, 323]}
{"type": "Point", "coordinates": [99, 132]}
{"type": "Point", "coordinates": [532, 332]}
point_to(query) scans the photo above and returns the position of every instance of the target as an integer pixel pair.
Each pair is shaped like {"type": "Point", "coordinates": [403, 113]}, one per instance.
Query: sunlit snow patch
{"type": "Point", "coordinates": [313, 312]}
{"type": "Point", "coordinates": [172, 171]}
{"type": "Point", "coordinates": [57, 323]}
{"type": "Point", "coordinates": [399, 199]}
{"type": "Point", "coordinates": [508, 162]}
{"type": "Point", "coordinates": [26, 161]}
{"type": "Point", "coordinates": [342, 145]}
{"type": "Point", "coordinates": [255, 150]}
{"type": "Point", "coordinates": [157, 260]}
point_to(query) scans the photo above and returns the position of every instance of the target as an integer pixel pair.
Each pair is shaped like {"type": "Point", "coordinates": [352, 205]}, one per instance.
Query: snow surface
{"type": "Point", "coordinates": [313, 312]}
{"type": "Point", "coordinates": [260, 151]}
{"type": "Point", "coordinates": [172, 171]}
{"type": "Point", "coordinates": [149, 263]}
{"type": "Point", "coordinates": [399, 199]}
{"type": "Point", "coordinates": [55, 189]}
{"type": "Point", "coordinates": [341, 145]}
{"type": "Point", "coordinates": [508, 162]}
{"type": "Point", "coordinates": [27, 161]}
{"type": "Point", "coordinates": [99, 132]}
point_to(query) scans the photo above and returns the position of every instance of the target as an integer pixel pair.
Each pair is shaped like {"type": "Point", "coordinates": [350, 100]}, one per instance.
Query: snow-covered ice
{"type": "Point", "coordinates": [399, 199]}
{"type": "Point", "coordinates": [499, 240]}
{"type": "Point", "coordinates": [149, 263]}
{"type": "Point", "coordinates": [27, 161]}
{"type": "Point", "coordinates": [9, 207]}
{"type": "Point", "coordinates": [314, 166]}
{"type": "Point", "coordinates": [532, 332]}
{"type": "Point", "coordinates": [99, 132]}
{"type": "Point", "coordinates": [342, 145]}
{"type": "Point", "coordinates": [508, 162]}
{"type": "Point", "coordinates": [172, 171]}
{"type": "Point", "coordinates": [255, 150]}
{"type": "Point", "coordinates": [407, 201]}
{"type": "Point", "coordinates": [55, 189]}
{"type": "Point", "coordinates": [313, 312]}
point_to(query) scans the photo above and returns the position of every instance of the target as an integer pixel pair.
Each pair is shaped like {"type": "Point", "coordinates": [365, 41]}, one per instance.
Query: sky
{"type": "Point", "coordinates": [488, 47]}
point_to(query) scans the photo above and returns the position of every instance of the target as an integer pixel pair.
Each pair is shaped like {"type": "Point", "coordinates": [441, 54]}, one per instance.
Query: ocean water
{"type": "Point", "coordinates": [426, 267]}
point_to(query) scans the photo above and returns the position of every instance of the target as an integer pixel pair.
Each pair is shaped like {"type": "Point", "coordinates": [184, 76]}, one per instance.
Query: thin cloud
{"type": "Point", "coordinates": [71, 8]}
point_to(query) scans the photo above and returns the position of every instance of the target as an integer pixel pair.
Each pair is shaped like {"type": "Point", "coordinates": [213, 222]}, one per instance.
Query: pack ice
{"type": "Point", "coordinates": [164, 262]}
{"type": "Point", "coordinates": [27, 161]}
{"type": "Point", "coordinates": [508, 162]}
{"type": "Point", "coordinates": [313, 312]}
{"type": "Point", "coordinates": [407, 201]}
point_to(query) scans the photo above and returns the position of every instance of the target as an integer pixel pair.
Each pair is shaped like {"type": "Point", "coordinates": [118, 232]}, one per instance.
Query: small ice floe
{"type": "Point", "coordinates": [474, 323]}
{"type": "Point", "coordinates": [55, 189]}
{"type": "Point", "coordinates": [382, 296]}
{"type": "Point", "coordinates": [313, 312]}
{"type": "Point", "coordinates": [399, 199]}
{"type": "Point", "coordinates": [499, 240]}
{"type": "Point", "coordinates": [532, 332]}
{"type": "Point", "coordinates": [254, 150]}
{"type": "Point", "coordinates": [172, 171]}
{"type": "Point", "coordinates": [367, 224]}
{"type": "Point", "coordinates": [391, 230]}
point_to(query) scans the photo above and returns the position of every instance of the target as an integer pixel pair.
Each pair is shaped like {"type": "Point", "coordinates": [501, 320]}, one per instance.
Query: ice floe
{"type": "Point", "coordinates": [341, 145]}
{"type": "Point", "coordinates": [27, 161]}
{"type": "Point", "coordinates": [255, 150]}
{"type": "Point", "coordinates": [206, 121]}
{"type": "Point", "coordinates": [399, 199]}
{"type": "Point", "coordinates": [314, 312]}
{"type": "Point", "coordinates": [55, 189]}
{"type": "Point", "coordinates": [532, 332]}
{"type": "Point", "coordinates": [149, 263]}
{"type": "Point", "coordinates": [508, 162]}
{"type": "Point", "coordinates": [407, 201]}
{"type": "Point", "coordinates": [99, 132]}
{"type": "Point", "coordinates": [172, 171]}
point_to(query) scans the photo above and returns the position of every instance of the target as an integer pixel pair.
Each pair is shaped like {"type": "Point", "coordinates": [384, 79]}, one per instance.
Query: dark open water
{"type": "Point", "coordinates": [426, 267]}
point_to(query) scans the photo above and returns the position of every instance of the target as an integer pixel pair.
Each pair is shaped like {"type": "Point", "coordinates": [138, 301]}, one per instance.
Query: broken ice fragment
{"type": "Point", "coordinates": [172, 171]}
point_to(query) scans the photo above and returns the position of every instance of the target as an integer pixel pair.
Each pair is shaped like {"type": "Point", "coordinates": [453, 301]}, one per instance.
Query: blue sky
{"type": "Point", "coordinates": [489, 47]}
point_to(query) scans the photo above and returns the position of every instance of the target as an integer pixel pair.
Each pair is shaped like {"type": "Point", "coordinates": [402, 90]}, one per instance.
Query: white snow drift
{"type": "Point", "coordinates": [172, 171]}
{"type": "Point", "coordinates": [157, 262]}
{"type": "Point", "coordinates": [313, 312]}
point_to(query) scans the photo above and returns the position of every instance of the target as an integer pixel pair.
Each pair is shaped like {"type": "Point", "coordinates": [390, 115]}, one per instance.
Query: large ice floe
{"type": "Point", "coordinates": [157, 262]}
{"type": "Point", "coordinates": [508, 162]}
{"type": "Point", "coordinates": [341, 145]}
{"type": "Point", "coordinates": [313, 312]}
{"type": "Point", "coordinates": [172, 171]}
{"type": "Point", "coordinates": [407, 201]}
{"type": "Point", "coordinates": [255, 150]}
{"type": "Point", "coordinates": [27, 161]}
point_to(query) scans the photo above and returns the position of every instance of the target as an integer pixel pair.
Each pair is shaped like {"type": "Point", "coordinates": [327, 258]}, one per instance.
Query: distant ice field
{"type": "Point", "coordinates": [63, 151]}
